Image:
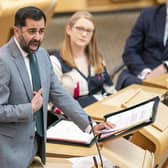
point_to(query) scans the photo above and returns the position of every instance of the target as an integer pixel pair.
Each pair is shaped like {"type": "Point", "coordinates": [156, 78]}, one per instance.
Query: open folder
{"type": "Point", "coordinates": [67, 132]}
{"type": "Point", "coordinates": [130, 119]}
{"type": "Point", "coordinates": [126, 121]}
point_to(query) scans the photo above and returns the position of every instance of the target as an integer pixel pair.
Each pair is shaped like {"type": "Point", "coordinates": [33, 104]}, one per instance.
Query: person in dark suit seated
{"type": "Point", "coordinates": [79, 65]}
{"type": "Point", "coordinates": [27, 83]}
{"type": "Point", "coordinates": [146, 50]}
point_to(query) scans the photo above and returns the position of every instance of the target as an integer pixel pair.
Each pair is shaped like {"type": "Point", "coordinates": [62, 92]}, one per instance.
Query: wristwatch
{"type": "Point", "coordinates": [165, 64]}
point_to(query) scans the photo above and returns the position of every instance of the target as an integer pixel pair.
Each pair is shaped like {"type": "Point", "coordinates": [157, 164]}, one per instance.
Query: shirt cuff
{"type": "Point", "coordinates": [144, 73]}
{"type": "Point", "coordinates": [89, 128]}
{"type": "Point", "coordinates": [166, 62]}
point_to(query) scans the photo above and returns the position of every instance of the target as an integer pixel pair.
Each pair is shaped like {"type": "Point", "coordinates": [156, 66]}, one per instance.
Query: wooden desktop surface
{"type": "Point", "coordinates": [53, 162]}
{"type": "Point", "coordinates": [127, 155]}
{"type": "Point", "coordinates": [61, 150]}
{"type": "Point", "coordinates": [120, 152]}
{"type": "Point", "coordinates": [128, 97]}
{"type": "Point", "coordinates": [160, 81]}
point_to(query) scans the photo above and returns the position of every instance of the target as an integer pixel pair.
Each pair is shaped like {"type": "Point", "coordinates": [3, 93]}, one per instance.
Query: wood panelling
{"type": "Point", "coordinates": [102, 5]}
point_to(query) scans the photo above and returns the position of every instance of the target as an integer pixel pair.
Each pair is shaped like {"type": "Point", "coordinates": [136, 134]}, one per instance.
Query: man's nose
{"type": "Point", "coordinates": [38, 36]}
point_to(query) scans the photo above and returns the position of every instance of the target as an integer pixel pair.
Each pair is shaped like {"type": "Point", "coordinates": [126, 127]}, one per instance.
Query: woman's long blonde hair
{"type": "Point", "coordinates": [94, 57]}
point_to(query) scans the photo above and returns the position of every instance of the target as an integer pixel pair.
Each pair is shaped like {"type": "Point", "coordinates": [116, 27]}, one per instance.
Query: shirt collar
{"type": "Point", "coordinates": [23, 53]}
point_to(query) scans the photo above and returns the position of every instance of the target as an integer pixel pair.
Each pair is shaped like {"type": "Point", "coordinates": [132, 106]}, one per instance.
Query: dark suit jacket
{"type": "Point", "coordinates": [144, 47]}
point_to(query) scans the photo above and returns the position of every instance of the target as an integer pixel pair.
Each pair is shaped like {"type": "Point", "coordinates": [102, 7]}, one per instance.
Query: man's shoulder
{"type": "Point", "coordinates": [152, 13]}
{"type": "Point", "coordinates": [43, 55]}
{"type": "Point", "coordinates": [42, 51]}
{"type": "Point", "coordinates": [4, 51]}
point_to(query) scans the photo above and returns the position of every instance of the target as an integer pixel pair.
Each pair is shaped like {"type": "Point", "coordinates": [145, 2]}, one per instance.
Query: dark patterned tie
{"type": "Point", "coordinates": [36, 86]}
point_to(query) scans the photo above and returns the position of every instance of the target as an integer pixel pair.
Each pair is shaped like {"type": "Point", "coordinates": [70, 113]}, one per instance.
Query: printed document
{"type": "Point", "coordinates": [68, 131]}
{"type": "Point", "coordinates": [129, 118]}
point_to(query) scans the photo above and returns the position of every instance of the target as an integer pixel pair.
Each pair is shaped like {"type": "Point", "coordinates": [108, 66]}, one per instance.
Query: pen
{"type": "Point", "coordinates": [95, 162]}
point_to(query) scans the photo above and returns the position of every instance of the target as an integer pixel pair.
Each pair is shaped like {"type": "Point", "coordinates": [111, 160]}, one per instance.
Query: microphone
{"type": "Point", "coordinates": [97, 145]}
{"type": "Point", "coordinates": [165, 98]}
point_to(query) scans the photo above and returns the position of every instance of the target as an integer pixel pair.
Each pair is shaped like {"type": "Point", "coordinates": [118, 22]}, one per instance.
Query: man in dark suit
{"type": "Point", "coordinates": [146, 50]}
{"type": "Point", "coordinates": [27, 83]}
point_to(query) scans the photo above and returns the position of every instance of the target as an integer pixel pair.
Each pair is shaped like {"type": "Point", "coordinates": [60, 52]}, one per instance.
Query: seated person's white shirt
{"type": "Point", "coordinates": [70, 79]}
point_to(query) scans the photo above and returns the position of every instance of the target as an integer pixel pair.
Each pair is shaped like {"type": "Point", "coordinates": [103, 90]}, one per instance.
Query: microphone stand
{"type": "Point", "coordinates": [97, 145]}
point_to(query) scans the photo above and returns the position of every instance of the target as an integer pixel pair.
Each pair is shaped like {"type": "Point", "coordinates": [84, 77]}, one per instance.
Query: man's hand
{"type": "Point", "coordinates": [156, 72]}
{"type": "Point", "coordinates": [37, 100]}
{"type": "Point", "coordinates": [105, 125]}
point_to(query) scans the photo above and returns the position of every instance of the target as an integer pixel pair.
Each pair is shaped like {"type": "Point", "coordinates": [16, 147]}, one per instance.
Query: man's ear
{"type": "Point", "coordinates": [15, 29]}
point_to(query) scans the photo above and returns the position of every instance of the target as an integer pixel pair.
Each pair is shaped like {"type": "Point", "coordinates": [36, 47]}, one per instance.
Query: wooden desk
{"type": "Point", "coordinates": [53, 162]}
{"type": "Point", "coordinates": [159, 82]}
{"type": "Point", "coordinates": [61, 150]}
{"type": "Point", "coordinates": [155, 136]}
{"type": "Point", "coordinates": [120, 152]}
{"type": "Point", "coordinates": [127, 155]}
{"type": "Point", "coordinates": [108, 105]}
{"type": "Point", "coordinates": [101, 5]}
{"type": "Point", "coordinates": [149, 137]}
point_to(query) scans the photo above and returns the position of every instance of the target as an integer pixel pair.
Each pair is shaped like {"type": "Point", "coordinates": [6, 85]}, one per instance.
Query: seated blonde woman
{"type": "Point", "coordinates": [78, 64]}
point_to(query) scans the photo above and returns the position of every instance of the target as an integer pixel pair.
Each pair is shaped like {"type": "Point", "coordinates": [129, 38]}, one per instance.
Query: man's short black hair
{"type": "Point", "coordinates": [29, 12]}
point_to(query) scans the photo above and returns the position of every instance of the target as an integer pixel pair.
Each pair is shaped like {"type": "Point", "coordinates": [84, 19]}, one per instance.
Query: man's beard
{"type": "Point", "coordinates": [26, 46]}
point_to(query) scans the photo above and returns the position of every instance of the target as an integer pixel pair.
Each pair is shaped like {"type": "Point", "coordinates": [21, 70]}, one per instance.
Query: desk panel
{"type": "Point", "coordinates": [61, 150]}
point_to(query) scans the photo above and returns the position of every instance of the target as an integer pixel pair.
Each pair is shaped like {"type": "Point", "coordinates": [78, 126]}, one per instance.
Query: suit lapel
{"type": "Point", "coordinates": [20, 64]}
{"type": "Point", "coordinates": [25, 77]}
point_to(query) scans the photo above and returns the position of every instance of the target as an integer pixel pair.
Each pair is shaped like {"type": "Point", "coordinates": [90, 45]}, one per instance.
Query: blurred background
{"type": "Point", "coordinates": [114, 20]}
{"type": "Point", "coordinates": [112, 31]}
